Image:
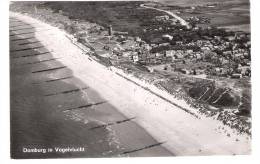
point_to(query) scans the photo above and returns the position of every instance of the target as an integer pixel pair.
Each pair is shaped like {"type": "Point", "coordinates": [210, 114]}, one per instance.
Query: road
{"type": "Point", "coordinates": [50, 107]}
{"type": "Point", "coordinates": [182, 21]}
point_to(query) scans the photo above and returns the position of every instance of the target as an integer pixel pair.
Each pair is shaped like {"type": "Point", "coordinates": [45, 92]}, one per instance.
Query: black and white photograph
{"type": "Point", "coordinates": [117, 79]}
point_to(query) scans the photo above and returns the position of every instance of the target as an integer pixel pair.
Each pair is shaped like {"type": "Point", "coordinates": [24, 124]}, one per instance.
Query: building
{"type": "Point", "coordinates": [170, 53]}
{"type": "Point", "coordinates": [110, 30]}
{"type": "Point", "coordinates": [167, 36]}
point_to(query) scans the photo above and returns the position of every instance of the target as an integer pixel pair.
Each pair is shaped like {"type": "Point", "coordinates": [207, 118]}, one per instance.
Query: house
{"type": "Point", "coordinates": [164, 44]}
{"type": "Point", "coordinates": [246, 54]}
{"type": "Point", "coordinates": [138, 39]}
{"type": "Point", "coordinates": [238, 55]}
{"type": "Point", "coordinates": [135, 57]}
{"type": "Point", "coordinates": [227, 53]}
{"type": "Point", "coordinates": [198, 56]}
{"type": "Point", "coordinates": [158, 54]}
{"type": "Point", "coordinates": [224, 61]}
{"type": "Point", "coordinates": [126, 54]}
{"type": "Point", "coordinates": [170, 53]}
{"type": "Point", "coordinates": [151, 69]}
{"type": "Point", "coordinates": [162, 18]}
{"type": "Point", "coordinates": [243, 69]}
{"type": "Point", "coordinates": [179, 42]}
{"type": "Point", "coordinates": [205, 48]}
{"type": "Point", "coordinates": [218, 70]}
{"type": "Point", "coordinates": [184, 71]}
{"type": "Point", "coordinates": [231, 38]}
{"type": "Point", "coordinates": [147, 47]}
{"type": "Point", "coordinates": [167, 36]}
{"type": "Point", "coordinates": [178, 55]}
{"type": "Point", "coordinates": [189, 51]}
{"type": "Point", "coordinates": [236, 76]}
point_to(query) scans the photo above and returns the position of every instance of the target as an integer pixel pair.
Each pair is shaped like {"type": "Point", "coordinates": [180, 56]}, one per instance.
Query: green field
{"type": "Point", "coordinates": [123, 16]}
{"type": "Point", "coordinates": [233, 14]}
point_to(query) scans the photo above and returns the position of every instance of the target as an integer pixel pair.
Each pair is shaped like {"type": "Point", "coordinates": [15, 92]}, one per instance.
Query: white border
{"type": "Point", "coordinates": [5, 107]}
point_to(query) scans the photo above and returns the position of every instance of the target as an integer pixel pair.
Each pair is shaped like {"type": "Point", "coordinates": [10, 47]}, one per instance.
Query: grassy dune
{"type": "Point", "coordinates": [123, 16]}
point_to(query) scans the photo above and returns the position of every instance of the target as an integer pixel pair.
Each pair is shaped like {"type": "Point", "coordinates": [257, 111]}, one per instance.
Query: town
{"type": "Point", "coordinates": [205, 66]}
{"type": "Point", "coordinates": [165, 42]}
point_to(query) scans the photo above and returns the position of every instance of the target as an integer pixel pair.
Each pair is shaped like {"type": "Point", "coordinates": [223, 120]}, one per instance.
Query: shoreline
{"type": "Point", "coordinates": [81, 118]}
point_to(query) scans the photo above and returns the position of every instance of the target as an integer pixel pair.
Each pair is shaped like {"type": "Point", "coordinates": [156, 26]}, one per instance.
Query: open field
{"type": "Point", "coordinates": [223, 15]}
{"type": "Point", "coordinates": [123, 16]}
{"type": "Point", "coordinates": [243, 27]}
{"type": "Point", "coordinates": [233, 13]}
{"type": "Point", "coordinates": [130, 17]}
